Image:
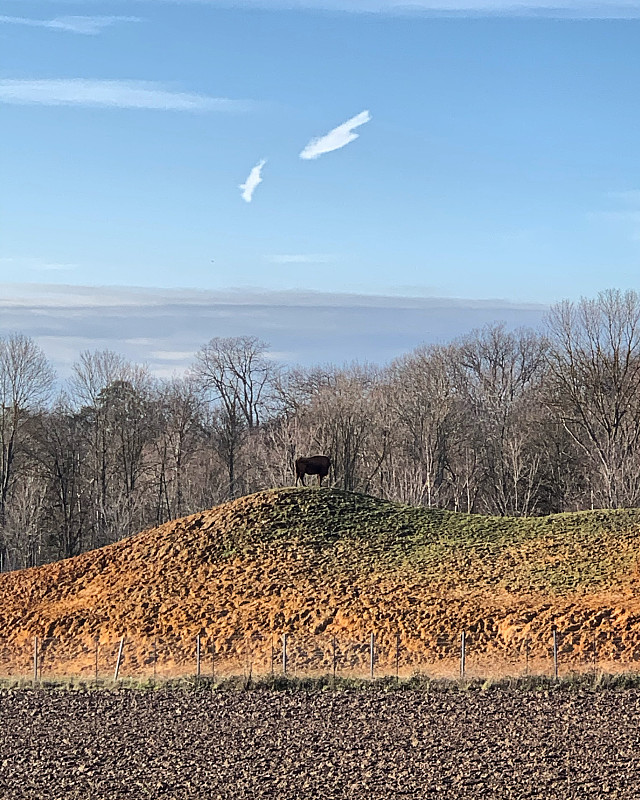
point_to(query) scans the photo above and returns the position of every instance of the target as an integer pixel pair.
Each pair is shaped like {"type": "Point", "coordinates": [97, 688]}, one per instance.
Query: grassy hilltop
{"type": "Point", "coordinates": [325, 562]}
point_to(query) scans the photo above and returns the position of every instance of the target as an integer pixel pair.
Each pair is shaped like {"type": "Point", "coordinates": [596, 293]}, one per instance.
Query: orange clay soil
{"type": "Point", "coordinates": [317, 563]}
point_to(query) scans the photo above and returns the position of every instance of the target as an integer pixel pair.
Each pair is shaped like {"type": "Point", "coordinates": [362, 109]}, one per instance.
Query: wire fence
{"type": "Point", "coordinates": [256, 654]}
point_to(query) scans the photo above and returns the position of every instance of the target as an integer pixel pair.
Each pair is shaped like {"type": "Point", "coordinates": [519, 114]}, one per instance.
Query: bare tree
{"type": "Point", "coordinates": [237, 374]}
{"type": "Point", "coordinates": [125, 405]}
{"type": "Point", "coordinates": [61, 451]}
{"type": "Point", "coordinates": [25, 527]}
{"type": "Point", "coordinates": [499, 373]}
{"type": "Point", "coordinates": [92, 374]}
{"type": "Point", "coordinates": [178, 434]}
{"type": "Point", "coordinates": [112, 396]}
{"type": "Point", "coordinates": [236, 377]}
{"type": "Point", "coordinates": [422, 397]}
{"type": "Point", "coordinates": [26, 379]}
{"type": "Point", "coordinates": [594, 388]}
{"type": "Point", "coordinates": [339, 410]}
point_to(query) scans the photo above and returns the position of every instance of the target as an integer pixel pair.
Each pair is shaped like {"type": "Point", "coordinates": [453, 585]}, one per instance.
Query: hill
{"type": "Point", "coordinates": [318, 563]}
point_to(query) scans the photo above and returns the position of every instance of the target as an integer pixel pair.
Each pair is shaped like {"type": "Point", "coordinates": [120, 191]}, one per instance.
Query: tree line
{"type": "Point", "coordinates": [502, 422]}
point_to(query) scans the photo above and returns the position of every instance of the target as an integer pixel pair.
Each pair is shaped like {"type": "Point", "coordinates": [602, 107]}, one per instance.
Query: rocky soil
{"type": "Point", "coordinates": [372, 745]}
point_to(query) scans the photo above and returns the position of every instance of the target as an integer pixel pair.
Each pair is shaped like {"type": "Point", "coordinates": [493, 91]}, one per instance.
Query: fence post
{"type": "Point", "coordinates": [97, 645]}
{"type": "Point", "coordinates": [213, 662]}
{"type": "Point", "coordinates": [463, 654]}
{"type": "Point", "coordinates": [555, 652]}
{"type": "Point", "coordinates": [155, 660]}
{"type": "Point", "coordinates": [595, 656]}
{"type": "Point", "coordinates": [335, 660]}
{"type": "Point", "coordinates": [284, 653]}
{"type": "Point", "coordinates": [198, 657]}
{"type": "Point", "coordinates": [526, 657]}
{"type": "Point", "coordinates": [397, 656]}
{"type": "Point", "coordinates": [248, 657]}
{"type": "Point", "coordinates": [35, 660]}
{"type": "Point", "coordinates": [272, 657]}
{"type": "Point", "coordinates": [117, 669]}
{"type": "Point", "coordinates": [372, 654]}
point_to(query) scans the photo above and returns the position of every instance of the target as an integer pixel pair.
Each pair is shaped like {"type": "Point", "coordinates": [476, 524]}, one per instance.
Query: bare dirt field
{"type": "Point", "coordinates": [179, 745]}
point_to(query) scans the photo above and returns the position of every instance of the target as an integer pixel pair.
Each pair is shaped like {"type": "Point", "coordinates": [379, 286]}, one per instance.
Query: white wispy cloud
{"type": "Point", "coordinates": [254, 179]}
{"type": "Point", "coordinates": [88, 25]}
{"type": "Point", "coordinates": [336, 138]}
{"type": "Point", "coordinates": [35, 263]}
{"type": "Point", "coordinates": [570, 9]}
{"type": "Point", "coordinates": [110, 94]}
{"type": "Point", "coordinates": [298, 258]}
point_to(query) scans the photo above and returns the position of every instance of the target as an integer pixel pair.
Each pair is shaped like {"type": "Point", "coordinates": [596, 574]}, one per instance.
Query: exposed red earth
{"type": "Point", "coordinates": [321, 563]}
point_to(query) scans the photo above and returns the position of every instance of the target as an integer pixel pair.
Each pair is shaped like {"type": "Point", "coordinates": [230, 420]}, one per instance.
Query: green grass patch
{"type": "Point", "coordinates": [353, 533]}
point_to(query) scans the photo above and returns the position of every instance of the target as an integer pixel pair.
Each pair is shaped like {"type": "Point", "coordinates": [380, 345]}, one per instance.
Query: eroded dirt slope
{"type": "Point", "coordinates": [322, 563]}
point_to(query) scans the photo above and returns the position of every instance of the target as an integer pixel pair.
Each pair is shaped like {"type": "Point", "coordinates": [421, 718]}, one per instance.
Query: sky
{"type": "Point", "coordinates": [309, 157]}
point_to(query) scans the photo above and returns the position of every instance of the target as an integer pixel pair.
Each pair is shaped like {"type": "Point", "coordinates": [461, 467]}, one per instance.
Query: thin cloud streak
{"type": "Point", "coordinates": [254, 179]}
{"type": "Point", "coordinates": [36, 264]}
{"type": "Point", "coordinates": [559, 9]}
{"type": "Point", "coordinates": [299, 258]}
{"type": "Point", "coordinates": [336, 138]}
{"type": "Point", "coordinates": [44, 295]}
{"type": "Point", "coordinates": [110, 94]}
{"type": "Point", "coordinates": [87, 25]}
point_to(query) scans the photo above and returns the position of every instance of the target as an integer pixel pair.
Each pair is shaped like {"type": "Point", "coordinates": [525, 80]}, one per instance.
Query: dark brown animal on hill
{"type": "Point", "coordinates": [313, 465]}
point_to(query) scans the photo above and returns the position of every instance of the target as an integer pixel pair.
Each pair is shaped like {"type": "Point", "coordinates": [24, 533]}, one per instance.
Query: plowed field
{"type": "Point", "coordinates": [298, 746]}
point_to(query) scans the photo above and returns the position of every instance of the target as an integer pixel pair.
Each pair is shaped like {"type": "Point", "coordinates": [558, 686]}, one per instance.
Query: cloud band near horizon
{"type": "Point", "coordinates": [163, 327]}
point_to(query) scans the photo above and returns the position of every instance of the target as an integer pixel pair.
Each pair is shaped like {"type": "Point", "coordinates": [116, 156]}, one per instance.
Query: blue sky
{"type": "Point", "coordinates": [500, 159]}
